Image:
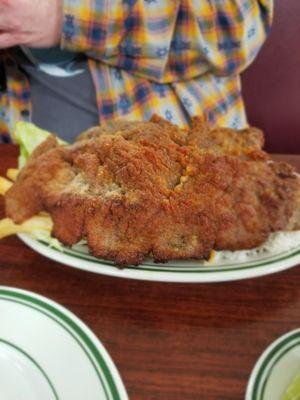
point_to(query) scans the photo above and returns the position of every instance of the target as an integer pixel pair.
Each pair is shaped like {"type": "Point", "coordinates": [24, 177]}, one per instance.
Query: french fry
{"type": "Point", "coordinates": [5, 184]}
{"type": "Point", "coordinates": [37, 223]}
{"type": "Point", "coordinates": [12, 174]}
{"type": "Point", "coordinates": [44, 214]}
{"type": "Point", "coordinates": [212, 257]}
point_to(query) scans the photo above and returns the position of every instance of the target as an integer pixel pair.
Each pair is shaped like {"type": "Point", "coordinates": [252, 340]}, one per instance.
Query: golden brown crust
{"type": "Point", "coordinates": [150, 188]}
{"type": "Point", "coordinates": [247, 143]}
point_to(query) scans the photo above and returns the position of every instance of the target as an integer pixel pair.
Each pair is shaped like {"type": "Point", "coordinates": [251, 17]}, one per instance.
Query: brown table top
{"type": "Point", "coordinates": [169, 341]}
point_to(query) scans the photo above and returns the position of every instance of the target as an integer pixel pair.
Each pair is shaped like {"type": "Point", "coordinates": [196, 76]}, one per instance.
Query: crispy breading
{"type": "Point", "coordinates": [149, 188]}
{"type": "Point", "coordinates": [225, 141]}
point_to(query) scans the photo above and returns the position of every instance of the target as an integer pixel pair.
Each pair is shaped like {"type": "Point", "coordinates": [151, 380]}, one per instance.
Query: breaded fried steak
{"type": "Point", "coordinates": [150, 188]}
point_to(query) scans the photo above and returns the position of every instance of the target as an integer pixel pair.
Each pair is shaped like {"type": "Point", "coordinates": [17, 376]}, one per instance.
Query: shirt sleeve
{"type": "Point", "coordinates": [233, 32]}
{"type": "Point", "coordinates": [168, 40]}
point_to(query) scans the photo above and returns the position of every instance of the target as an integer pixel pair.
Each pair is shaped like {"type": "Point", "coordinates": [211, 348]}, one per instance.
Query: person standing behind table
{"type": "Point", "coordinates": [70, 64]}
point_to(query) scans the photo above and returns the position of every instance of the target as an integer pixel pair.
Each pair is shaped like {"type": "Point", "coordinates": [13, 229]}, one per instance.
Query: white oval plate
{"type": "Point", "coordinates": [47, 353]}
{"type": "Point", "coordinates": [173, 271]}
{"type": "Point", "coordinates": [275, 369]}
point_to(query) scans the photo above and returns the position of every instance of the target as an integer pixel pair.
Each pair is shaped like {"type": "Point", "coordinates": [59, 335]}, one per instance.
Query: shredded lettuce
{"type": "Point", "coordinates": [45, 236]}
{"type": "Point", "coordinates": [28, 136]}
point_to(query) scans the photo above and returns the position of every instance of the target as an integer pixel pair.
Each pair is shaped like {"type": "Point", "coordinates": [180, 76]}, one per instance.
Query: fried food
{"type": "Point", "coordinates": [149, 188]}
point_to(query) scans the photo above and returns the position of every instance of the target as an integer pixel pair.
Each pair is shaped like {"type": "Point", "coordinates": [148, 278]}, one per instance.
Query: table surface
{"type": "Point", "coordinates": [169, 341]}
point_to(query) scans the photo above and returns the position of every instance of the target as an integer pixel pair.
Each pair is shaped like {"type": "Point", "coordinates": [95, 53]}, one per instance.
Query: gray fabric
{"type": "Point", "coordinates": [66, 106]}
{"type": "Point", "coordinates": [53, 55]}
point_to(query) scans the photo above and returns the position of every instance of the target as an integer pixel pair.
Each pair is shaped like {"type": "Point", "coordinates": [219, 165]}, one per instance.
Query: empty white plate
{"type": "Point", "coordinates": [46, 353]}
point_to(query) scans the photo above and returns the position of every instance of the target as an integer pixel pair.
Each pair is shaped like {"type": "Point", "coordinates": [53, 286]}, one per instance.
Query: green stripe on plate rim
{"type": "Point", "coordinates": [295, 344]}
{"type": "Point", "coordinates": [205, 268]}
{"type": "Point", "coordinates": [35, 363]}
{"type": "Point", "coordinates": [88, 256]}
{"type": "Point", "coordinates": [269, 363]}
{"type": "Point", "coordinates": [201, 269]}
{"type": "Point", "coordinates": [78, 334]}
{"type": "Point", "coordinates": [74, 337]}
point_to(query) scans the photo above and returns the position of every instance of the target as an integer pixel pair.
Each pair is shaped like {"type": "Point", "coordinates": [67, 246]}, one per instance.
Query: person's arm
{"type": "Point", "coordinates": [234, 32]}
{"type": "Point", "coordinates": [168, 40]}
{"type": "Point", "coordinates": [33, 23]}
{"type": "Point", "coordinates": [134, 35]}
{"type": "Point", "coordinates": [162, 40]}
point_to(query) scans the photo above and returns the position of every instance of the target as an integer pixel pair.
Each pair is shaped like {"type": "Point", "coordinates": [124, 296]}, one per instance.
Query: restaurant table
{"type": "Point", "coordinates": [168, 341]}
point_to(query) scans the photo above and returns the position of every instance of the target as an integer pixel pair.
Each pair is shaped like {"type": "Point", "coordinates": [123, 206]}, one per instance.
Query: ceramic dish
{"type": "Point", "coordinates": [46, 353]}
{"type": "Point", "coordinates": [173, 271]}
{"type": "Point", "coordinates": [276, 369]}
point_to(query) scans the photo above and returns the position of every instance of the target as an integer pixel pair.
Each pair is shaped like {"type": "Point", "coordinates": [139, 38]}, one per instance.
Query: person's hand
{"type": "Point", "coordinates": [33, 23]}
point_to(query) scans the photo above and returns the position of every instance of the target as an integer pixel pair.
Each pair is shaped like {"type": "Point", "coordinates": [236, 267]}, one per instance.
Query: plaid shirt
{"type": "Point", "coordinates": [176, 58]}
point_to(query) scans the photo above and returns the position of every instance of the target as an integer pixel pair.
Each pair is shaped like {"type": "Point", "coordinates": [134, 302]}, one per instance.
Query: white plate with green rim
{"type": "Point", "coordinates": [256, 265]}
{"type": "Point", "coordinates": [47, 353]}
{"type": "Point", "coordinates": [275, 372]}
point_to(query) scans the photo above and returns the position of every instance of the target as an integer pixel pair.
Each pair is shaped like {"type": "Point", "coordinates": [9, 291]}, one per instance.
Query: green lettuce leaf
{"type": "Point", "coordinates": [45, 236]}
{"type": "Point", "coordinates": [293, 391]}
{"type": "Point", "coordinates": [28, 136]}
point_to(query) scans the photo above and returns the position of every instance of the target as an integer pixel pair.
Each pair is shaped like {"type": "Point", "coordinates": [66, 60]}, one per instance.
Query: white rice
{"type": "Point", "coordinates": [277, 243]}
